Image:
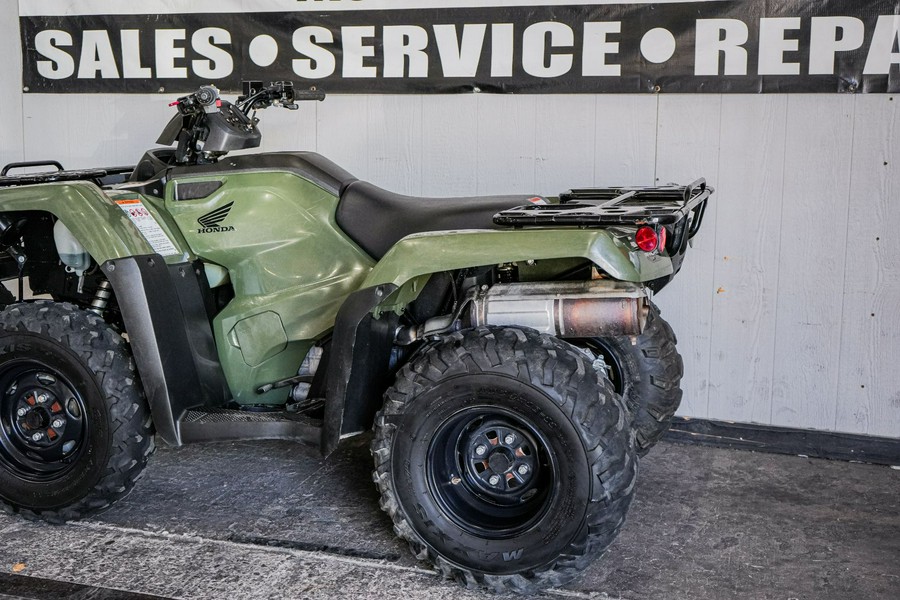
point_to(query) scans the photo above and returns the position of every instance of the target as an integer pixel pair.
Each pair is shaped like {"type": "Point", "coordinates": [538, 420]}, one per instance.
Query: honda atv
{"type": "Point", "coordinates": [505, 349]}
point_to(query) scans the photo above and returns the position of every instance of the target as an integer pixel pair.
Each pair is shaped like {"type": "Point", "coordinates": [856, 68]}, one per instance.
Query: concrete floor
{"type": "Point", "coordinates": [269, 520]}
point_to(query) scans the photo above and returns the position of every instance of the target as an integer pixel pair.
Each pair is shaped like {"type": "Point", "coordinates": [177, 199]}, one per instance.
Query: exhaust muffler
{"type": "Point", "coordinates": [566, 309]}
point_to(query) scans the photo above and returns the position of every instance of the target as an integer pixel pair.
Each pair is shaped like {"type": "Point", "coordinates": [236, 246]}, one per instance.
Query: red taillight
{"type": "Point", "coordinates": [646, 239]}
{"type": "Point", "coordinates": [662, 239]}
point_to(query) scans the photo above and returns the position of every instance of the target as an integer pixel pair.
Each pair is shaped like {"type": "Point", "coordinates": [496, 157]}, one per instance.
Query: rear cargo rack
{"type": "Point", "coordinates": [605, 207]}
{"type": "Point", "coordinates": [59, 174]}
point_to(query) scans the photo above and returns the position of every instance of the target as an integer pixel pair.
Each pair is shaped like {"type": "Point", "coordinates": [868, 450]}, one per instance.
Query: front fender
{"type": "Point", "coordinates": [93, 217]}
{"type": "Point", "coordinates": [425, 253]}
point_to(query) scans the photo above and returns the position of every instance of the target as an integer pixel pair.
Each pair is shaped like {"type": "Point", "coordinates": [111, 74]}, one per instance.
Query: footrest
{"type": "Point", "coordinates": [216, 425]}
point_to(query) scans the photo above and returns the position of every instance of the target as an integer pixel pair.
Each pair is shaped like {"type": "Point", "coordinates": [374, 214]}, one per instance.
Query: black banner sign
{"type": "Point", "coordinates": [701, 46]}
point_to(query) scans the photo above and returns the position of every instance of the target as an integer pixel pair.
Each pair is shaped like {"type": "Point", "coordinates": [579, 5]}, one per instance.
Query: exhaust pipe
{"type": "Point", "coordinates": [566, 309]}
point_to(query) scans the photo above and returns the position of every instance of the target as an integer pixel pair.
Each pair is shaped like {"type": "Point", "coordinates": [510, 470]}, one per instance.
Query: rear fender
{"type": "Point", "coordinates": [358, 371]}
{"type": "Point", "coordinates": [425, 253]}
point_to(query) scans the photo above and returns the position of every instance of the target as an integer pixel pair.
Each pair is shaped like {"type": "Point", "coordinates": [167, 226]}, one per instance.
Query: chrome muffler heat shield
{"type": "Point", "coordinates": [566, 309]}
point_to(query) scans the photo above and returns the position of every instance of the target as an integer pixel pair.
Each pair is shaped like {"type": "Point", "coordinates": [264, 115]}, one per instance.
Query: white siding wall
{"type": "Point", "coordinates": [11, 142]}
{"type": "Point", "coordinates": [786, 308]}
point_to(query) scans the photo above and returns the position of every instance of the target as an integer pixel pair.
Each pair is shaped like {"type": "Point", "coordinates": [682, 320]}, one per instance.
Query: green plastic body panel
{"type": "Point", "coordinates": [94, 218]}
{"type": "Point", "coordinates": [424, 253]}
{"type": "Point", "coordinates": [287, 260]}
{"type": "Point", "coordinates": [290, 264]}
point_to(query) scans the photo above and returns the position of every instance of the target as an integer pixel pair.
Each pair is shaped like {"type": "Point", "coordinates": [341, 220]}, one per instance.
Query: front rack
{"type": "Point", "coordinates": [59, 174]}
{"type": "Point", "coordinates": [605, 207]}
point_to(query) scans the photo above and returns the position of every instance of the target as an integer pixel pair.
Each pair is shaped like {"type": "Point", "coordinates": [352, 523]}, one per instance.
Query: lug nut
{"type": "Point", "coordinates": [58, 423]}
{"type": "Point", "coordinates": [494, 480]}
{"type": "Point", "coordinates": [22, 412]}
{"type": "Point", "coordinates": [37, 437]}
{"type": "Point", "coordinates": [480, 449]}
{"type": "Point", "coordinates": [523, 469]}
{"type": "Point", "coordinates": [42, 398]}
{"type": "Point", "coordinates": [510, 439]}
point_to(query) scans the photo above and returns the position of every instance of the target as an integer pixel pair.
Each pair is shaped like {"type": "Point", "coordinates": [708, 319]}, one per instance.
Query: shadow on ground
{"type": "Point", "coordinates": [706, 524]}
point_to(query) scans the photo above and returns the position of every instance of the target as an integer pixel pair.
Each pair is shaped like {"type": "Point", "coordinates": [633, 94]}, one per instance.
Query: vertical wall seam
{"type": "Point", "coordinates": [477, 174]}
{"type": "Point", "coordinates": [712, 273]}
{"type": "Point", "coordinates": [370, 172]}
{"type": "Point", "coordinates": [316, 126]}
{"type": "Point", "coordinates": [777, 266]}
{"type": "Point", "coordinates": [21, 124]}
{"type": "Point", "coordinates": [68, 132]}
{"type": "Point", "coordinates": [21, 87]}
{"type": "Point", "coordinates": [534, 150]}
{"type": "Point", "coordinates": [596, 140]}
{"type": "Point", "coordinates": [420, 164]}
{"type": "Point", "coordinates": [840, 361]}
{"type": "Point", "coordinates": [711, 291]}
{"type": "Point", "coordinates": [115, 114]}
{"type": "Point", "coordinates": [656, 145]}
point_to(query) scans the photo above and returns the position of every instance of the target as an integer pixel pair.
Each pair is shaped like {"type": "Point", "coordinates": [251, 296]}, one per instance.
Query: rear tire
{"type": "Point", "coordinates": [504, 459]}
{"type": "Point", "coordinates": [75, 431]}
{"type": "Point", "coordinates": [646, 370]}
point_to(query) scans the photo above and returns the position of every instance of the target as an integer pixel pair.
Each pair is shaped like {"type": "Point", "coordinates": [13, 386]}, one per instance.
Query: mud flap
{"type": "Point", "coordinates": [358, 369]}
{"type": "Point", "coordinates": [170, 336]}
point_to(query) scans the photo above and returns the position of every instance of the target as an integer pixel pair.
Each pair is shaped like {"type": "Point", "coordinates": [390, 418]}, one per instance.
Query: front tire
{"type": "Point", "coordinates": [504, 459]}
{"type": "Point", "coordinates": [75, 431]}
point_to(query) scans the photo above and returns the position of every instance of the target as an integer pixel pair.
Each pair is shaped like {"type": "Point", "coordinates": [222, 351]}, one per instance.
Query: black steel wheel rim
{"type": "Point", "coordinates": [614, 371]}
{"type": "Point", "coordinates": [491, 471]}
{"type": "Point", "coordinates": [43, 421]}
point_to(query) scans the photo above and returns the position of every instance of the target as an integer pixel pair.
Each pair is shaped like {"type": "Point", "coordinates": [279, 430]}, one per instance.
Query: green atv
{"type": "Point", "coordinates": [504, 349]}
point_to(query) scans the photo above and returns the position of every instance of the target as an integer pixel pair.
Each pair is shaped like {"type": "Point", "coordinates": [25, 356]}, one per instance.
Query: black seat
{"type": "Point", "coordinates": [376, 219]}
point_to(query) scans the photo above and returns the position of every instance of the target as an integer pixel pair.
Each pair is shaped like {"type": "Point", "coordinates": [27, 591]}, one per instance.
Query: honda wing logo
{"type": "Point", "coordinates": [211, 221]}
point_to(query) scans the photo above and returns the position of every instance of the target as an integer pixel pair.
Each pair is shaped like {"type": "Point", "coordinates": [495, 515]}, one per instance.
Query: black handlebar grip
{"type": "Point", "coordinates": [309, 95]}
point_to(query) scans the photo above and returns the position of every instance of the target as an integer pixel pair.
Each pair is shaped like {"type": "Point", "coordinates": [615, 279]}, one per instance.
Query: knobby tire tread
{"type": "Point", "coordinates": [557, 368]}
{"type": "Point", "coordinates": [107, 356]}
{"type": "Point", "coordinates": [652, 370]}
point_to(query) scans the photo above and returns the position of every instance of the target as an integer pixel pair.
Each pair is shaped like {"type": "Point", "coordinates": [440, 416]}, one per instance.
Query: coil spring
{"type": "Point", "coordinates": [101, 298]}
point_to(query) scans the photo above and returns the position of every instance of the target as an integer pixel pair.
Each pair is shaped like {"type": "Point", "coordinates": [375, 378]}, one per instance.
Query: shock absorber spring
{"type": "Point", "coordinates": [101, 298]}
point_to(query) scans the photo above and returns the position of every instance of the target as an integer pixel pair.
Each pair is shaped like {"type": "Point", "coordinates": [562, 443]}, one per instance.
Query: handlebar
{"type": "Point", "coordinates": [208, 127]}
{"type": "Point", "coordinates": [282, 93]}
{"type": "Point", "coordinates": [256, 96]}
